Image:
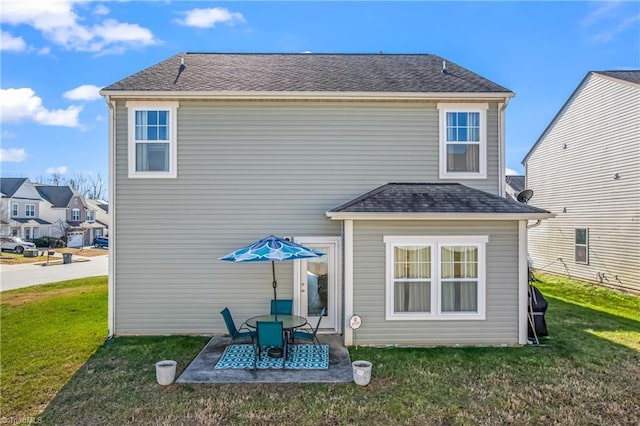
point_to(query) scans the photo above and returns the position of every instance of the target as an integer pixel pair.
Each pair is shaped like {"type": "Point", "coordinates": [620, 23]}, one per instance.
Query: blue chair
{"type": "Point", "coordinates": [270, 334]}
{"type": "Point", "coordinates": [311, 334]}
{"type": "Point", "coordinates": [234, 332]}
{"type": "Point", "coordinates": [282, 306]}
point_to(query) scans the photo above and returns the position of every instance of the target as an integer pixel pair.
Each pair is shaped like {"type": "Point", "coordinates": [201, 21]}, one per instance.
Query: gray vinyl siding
{"type": "Point", "coordinates": [246, 170]}
{"type": "Point", "coordinates": [601, 130]}
{"type": "Point", "coordinates": [369, 286]}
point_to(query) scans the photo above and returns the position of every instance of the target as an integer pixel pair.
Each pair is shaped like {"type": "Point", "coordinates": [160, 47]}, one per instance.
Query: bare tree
{"type": "Point", "coordinates": [56, 179]}
{"type": "Point", "coordinates": [97, 187]}
{"type": "Point", "coordinates": [79, 183]}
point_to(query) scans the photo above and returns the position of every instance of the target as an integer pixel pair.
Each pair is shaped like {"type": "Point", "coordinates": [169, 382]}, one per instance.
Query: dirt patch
{"type": "Point", "coordinates": [33, 296]}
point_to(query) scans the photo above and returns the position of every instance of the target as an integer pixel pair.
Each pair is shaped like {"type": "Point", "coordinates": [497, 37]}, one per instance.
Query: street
{"type": "Point", "coordinates": [24, 275]}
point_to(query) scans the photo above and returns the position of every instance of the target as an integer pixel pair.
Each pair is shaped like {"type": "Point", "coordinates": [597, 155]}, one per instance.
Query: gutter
{"type": "Point", "coordinates": [111, 317]}
{"type": "Point", "coordinates": [502, 106]}
{"type": "Point", "coordinates": [195, 94]}
{"type": "Point", "coordinates": [437, 216]}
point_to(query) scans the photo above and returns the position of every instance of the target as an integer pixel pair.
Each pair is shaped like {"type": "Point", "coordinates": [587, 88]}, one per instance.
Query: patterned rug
{"type": "Point", "coordinates": [300, 357]}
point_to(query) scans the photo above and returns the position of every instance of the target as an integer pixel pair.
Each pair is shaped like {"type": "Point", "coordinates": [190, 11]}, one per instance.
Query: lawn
{"type": "Point", "coordinates": [588, 372]}
{"type": "Point", "coordinates": [13, 258]}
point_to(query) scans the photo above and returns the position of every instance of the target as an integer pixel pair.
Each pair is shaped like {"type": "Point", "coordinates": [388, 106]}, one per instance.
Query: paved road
{"type": "Point", "coordinates": [25, 275]}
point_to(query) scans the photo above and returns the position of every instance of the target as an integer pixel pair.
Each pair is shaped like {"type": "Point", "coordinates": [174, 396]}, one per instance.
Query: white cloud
{"type": "Point", "coordinates": [13, 155]}
{"type": "Point", "coordinates": [208, 18]}
{"type": "Point", "coordinates": [62, 170]}
{"type": "Point", "coordinates": [22, 104]}
{"type": "Point", "coordinates": [11, 43]}
{"type": "Point", "coordinates": [59, 23]}
{"type": "Point", "coordinates": [8, 135]}
{"type": "Point", "coordinates": [86, 92]}
{"type": "Point", "coordinates": [511, 172]}
{"type": "Point", "coordinates": [101, 10]}
{"type": "Point", "coordinates": [608, 20]}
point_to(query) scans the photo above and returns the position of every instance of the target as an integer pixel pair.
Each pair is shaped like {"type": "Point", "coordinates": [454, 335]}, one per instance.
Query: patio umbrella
{"type": "Point", "coordinates": [272, 249]}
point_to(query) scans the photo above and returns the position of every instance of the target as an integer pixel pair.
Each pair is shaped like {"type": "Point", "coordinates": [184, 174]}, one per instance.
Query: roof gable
{"type": "Point", "coordinates": [224, 72]}
{"type": "Point", "coordinates": [9, 186]}
{"type": "Point", "coordinates": [623, 76]}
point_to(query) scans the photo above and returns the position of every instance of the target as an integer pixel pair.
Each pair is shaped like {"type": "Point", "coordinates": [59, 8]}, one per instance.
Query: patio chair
{"type": "Point", "coordinates": [282, 306]}
{"type": "Point", "coordinates": [270, 334]}
{"type": "Point", "coordinates": [310, 334]}
{"type": "Point", "coordinates": [234, 332]}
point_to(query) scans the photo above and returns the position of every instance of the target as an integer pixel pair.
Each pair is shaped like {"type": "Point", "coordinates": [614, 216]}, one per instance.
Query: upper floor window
{"type": "Point", "coordinates": [435, 277]}
{"type": "Point", "coordinates": [582, 245]}
{"type": "Point", "coordinates": [29, 210]}
{"type": "Point", "coordinates": [91, 216]}
{"type": "Point", "coordinates": [14, 209]}
{"type": "Point", "coordinates": [463, 141]}
{"type": "Point", "coordinates": [75, 215]}
{"type": "Point", "coordinates": [152, 139]}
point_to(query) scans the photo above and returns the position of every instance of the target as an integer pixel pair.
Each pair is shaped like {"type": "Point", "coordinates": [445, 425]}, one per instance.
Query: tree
{"type": "Point", "coordinates": [97, 187]}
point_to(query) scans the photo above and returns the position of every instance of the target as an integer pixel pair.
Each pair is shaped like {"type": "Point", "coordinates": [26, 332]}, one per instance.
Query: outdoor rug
{"type": "Point", "coordinates": [300, 357]}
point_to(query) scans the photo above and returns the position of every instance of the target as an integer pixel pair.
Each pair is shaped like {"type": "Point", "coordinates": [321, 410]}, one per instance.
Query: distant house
{"type": "Point", "coordinates": [514, 184]}
{"type": "Point", "coordinates": [20, 210]}
{"type": "Point", "coordinates": [71, 215]}
{"type": "Point", "coordinates": [391, 165]}
{"type": "Point", "coordinates": [585, 167]}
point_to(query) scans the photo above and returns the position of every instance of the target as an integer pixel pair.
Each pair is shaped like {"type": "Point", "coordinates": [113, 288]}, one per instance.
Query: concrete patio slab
{"type": "Point", "coordinates": [201, 368]}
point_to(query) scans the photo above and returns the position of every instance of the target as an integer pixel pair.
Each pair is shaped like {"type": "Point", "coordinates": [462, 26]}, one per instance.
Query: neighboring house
{"type": "Point", "coordinates": [20, 210]}
{"type": "Point", "coordinates": [210, 152]}
{"type": "Point", "coordinates": [71, 215]}
{"type": "Point", "coordinates": [101, 209]}
{"type": "Point", "coordinates": [514, 186]}
{"type": "Point", "coordinates": [585, 167]}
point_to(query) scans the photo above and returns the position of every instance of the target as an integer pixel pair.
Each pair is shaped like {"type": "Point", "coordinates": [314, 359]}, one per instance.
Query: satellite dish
{"type": "Point", "coordinates": [524, 196]}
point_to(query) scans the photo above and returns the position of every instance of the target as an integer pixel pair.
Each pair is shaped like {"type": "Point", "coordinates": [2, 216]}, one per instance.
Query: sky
{"type": "Point", "coordinates": [56, 55]}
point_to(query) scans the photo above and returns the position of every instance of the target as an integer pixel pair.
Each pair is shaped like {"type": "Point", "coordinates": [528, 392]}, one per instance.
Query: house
{"type": "Point", "coordinates": [585, 167]}
{"type": "Point", "coordinates": [514, 184]}
{"type": "Point", "coordinates": [391, 165]}
{"type": "Point", "coordinates": [71, 215]}
{"type": "Point", "coordinates": [20, 210]}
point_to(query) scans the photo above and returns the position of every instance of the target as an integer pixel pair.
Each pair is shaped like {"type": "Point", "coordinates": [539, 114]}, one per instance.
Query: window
{"type": "Point", "coordinates": [582, 245]}
{"type": "Point", "coordinates": [91, 216]}
{"type": "Point", "coordinates": [435, 277]}
{"type": "Point", "coordinates": [463, 141]}
{"type": "Point", "coordinates": [14, 209]}
{"type": "Point", "coordinates": [75, 215]}
{"type": "Point", "coordinates": [152, 139]}
{"type": "Point", "coordinates": [29, 210]}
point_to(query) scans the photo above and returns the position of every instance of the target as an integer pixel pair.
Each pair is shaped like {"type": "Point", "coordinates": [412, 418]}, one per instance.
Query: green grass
{"type": "Point", "coordinates": [586, 373]}
{"type": "Point", "coordinates": [47, 332]}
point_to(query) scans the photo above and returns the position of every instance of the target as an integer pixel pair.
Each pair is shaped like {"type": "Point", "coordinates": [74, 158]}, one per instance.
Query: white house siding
{"type": "Point", "coordinates": [369, 291]}
{"type": "Point", "coordinates": [601, 130]}
{"type": "Point", "coordinates": [246, 170]}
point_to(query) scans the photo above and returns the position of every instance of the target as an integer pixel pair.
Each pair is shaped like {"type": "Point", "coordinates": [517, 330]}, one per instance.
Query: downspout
{"type": "Point", "coordinates": [111, 318]}
{"type": "Point", "coordinates": [502, 106]}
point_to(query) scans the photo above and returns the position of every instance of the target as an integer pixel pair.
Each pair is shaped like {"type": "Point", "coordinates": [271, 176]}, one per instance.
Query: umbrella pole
{"type": "Point", "coordinates": [274, 284]}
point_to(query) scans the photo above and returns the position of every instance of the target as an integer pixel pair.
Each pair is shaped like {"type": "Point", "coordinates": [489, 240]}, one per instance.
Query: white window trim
{"type": "Point", "coordinates": [435, 242]}
{"type": "Point", "coordinates": [74, 210]}
{"type": "Point", "coordinates": [91, 215]}
{"type": "Point", "coordinates": [586, 247]}
{"type": "Point", "coordinates": [444, 108]}
{"type": "Point", "coordinates": [172, 107]}
{"type": "Point", "coordinates": [27, 212]}
{"type": "Point", "coordinates": [15, 209]}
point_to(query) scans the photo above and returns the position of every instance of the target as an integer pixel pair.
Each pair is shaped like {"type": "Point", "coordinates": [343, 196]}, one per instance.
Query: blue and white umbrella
{"type": "Point", "coordinates": [273, 249]}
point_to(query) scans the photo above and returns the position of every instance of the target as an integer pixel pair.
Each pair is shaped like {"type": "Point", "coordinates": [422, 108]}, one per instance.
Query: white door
{"type": "Point", "coordinates": [317, 283]}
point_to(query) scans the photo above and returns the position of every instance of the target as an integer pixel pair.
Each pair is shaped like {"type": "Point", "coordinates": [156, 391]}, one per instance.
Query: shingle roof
{"type": "Point", "coordinates": [9, 186]}
{"type": "Point", "coordinates": [59, 196]}
{"type": "Point", "coordinates": [433, 198]}
{"type": "Point", "coordinates": [306, 73]}
{"type": "Point", "coordinates": [632, 76]}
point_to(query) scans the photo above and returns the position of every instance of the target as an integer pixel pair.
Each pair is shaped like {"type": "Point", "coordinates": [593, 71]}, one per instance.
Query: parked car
{"type": "Point", "coordinates": [101, 242]}
{"type": "Point", "coordinates": [15, 244]}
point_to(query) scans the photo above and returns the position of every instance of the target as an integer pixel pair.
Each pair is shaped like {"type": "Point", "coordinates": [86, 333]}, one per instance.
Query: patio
{"type": "Point", "coordinates": [201, 370]}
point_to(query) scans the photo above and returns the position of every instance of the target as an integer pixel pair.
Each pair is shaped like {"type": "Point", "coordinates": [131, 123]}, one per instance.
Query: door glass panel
{"type": "Point", "coordinates": [317, 285]}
